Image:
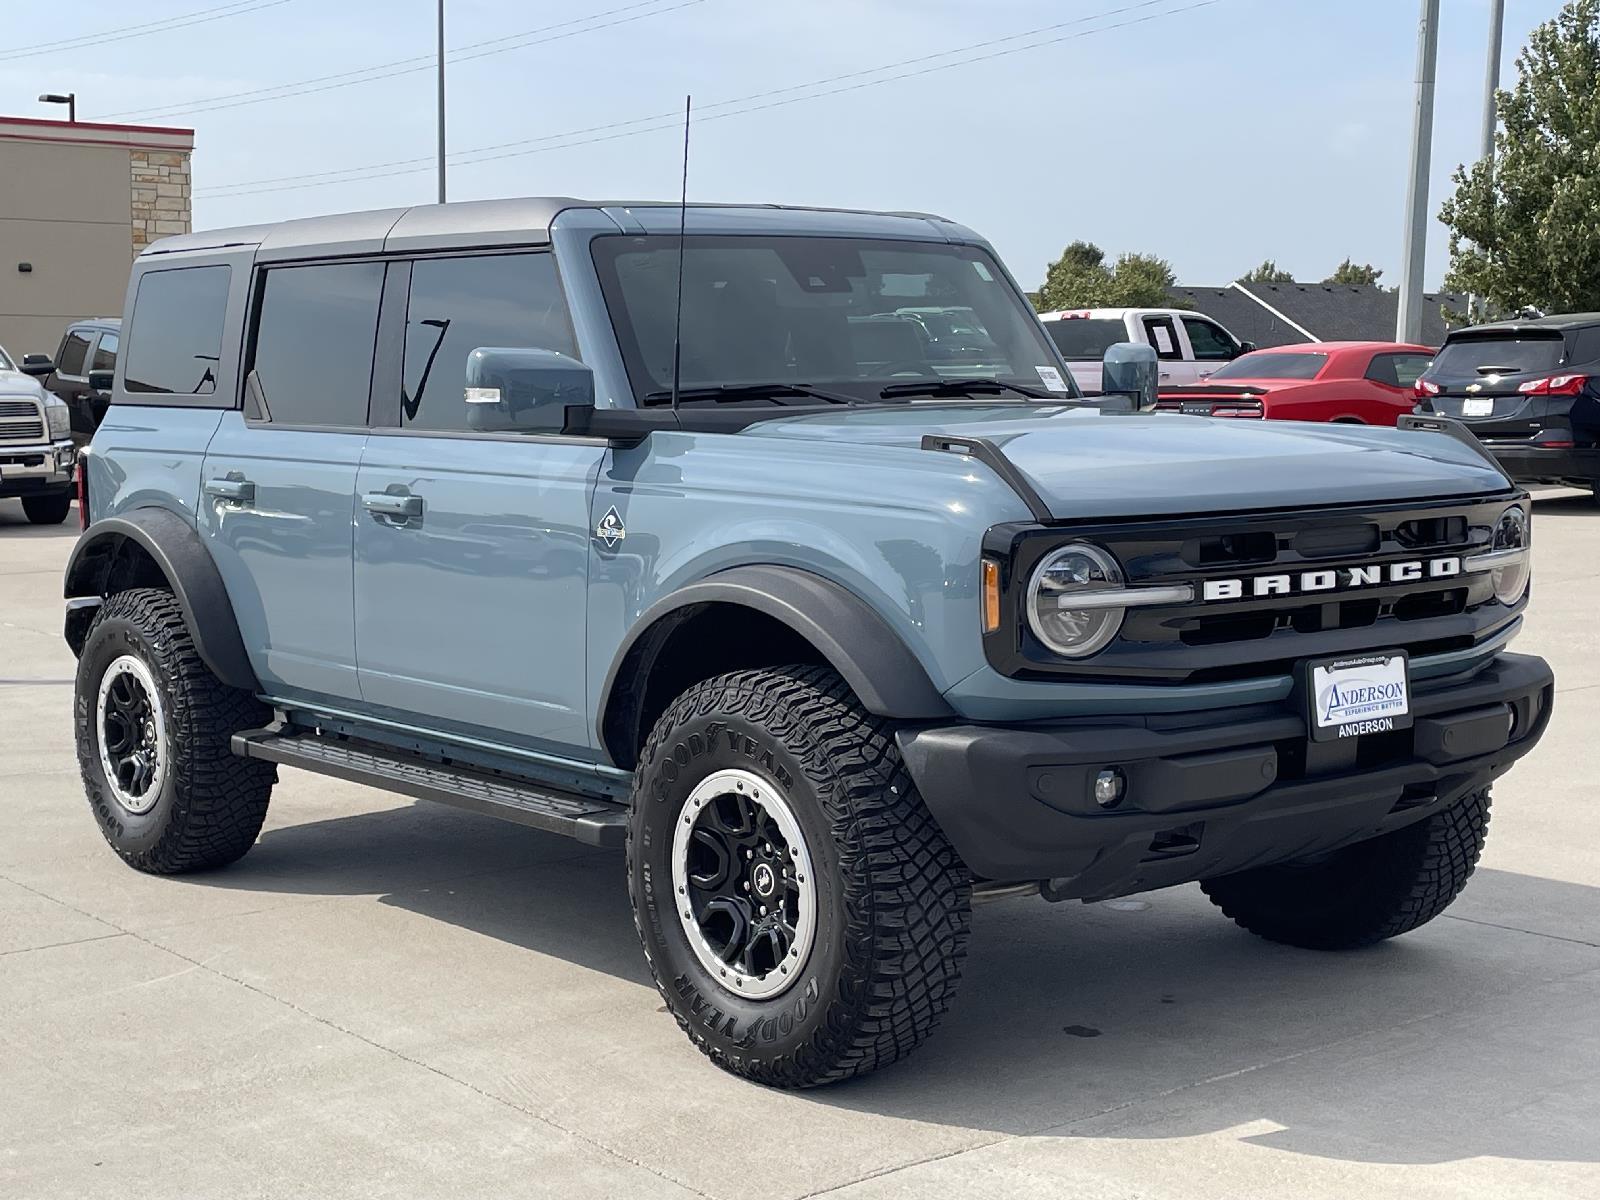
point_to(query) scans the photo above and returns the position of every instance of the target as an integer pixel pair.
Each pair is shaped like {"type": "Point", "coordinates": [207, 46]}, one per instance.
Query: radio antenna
{"type": "Point", "coordinates": [683, 219]}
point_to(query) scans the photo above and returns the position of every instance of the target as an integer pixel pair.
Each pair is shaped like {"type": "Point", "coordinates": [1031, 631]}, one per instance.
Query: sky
{"type": "Point", "coordinates": [1214, 133]}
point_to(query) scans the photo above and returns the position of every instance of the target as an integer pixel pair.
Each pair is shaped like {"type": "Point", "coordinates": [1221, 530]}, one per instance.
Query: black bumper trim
{"type": "Point", "coordinates": [1533, 464]}
{"type": "Point", "coordinates": [1242, 789]}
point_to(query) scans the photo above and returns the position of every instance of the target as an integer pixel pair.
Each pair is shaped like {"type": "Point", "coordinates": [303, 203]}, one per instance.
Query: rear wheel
{"type": "Point", "coordinates": [1363, 893]}
{"type": "Point", "coordinates": [153, 730]}
{"type": "Point", "coordinates": [47, 510]}
{"type": "Point", "coordinates": [802, 914]}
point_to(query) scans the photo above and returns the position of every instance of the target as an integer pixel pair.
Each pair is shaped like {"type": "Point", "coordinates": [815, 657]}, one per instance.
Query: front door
{"type": "Point", "coordinates": [278, 487]}
{"type": "Point", "coordinates": [472, 549]}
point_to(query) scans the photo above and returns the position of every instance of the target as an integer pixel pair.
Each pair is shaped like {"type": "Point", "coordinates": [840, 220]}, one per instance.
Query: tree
{"type": "Point", "coordinates": [1080, 278]}
{"type": "Point", "coordinates": [1524, 231]}
{"type": "Point", "coordinates": [1267, 272]}
{"type": "Point", "coordinates": [1354, 273]}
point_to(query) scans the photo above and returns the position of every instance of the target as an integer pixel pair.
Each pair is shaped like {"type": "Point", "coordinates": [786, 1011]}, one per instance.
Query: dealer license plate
{"type": "Point", "coordinates": [1477, 406]}
{"type": "Point", "coordinates": [1354, 696]}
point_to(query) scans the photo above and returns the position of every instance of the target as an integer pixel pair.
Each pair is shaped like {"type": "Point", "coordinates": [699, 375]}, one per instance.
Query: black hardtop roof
{"type": "Point", "coordinates": [1561, 322]}
{"type": "Point", "coordinates": [460, 223]}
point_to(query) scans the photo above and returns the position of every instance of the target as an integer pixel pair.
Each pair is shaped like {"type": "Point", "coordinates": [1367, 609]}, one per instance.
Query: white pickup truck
{"type": "Point", "coordinates": [1190, 346]}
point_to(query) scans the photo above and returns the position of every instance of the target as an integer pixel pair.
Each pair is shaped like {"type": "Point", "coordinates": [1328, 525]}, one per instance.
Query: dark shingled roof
{"type": "Point", "coordinates": [1330, 312]}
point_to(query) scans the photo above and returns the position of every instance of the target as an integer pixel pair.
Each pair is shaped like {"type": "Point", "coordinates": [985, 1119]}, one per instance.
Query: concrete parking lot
{"type": "Point", "coordinates": [396, 999]}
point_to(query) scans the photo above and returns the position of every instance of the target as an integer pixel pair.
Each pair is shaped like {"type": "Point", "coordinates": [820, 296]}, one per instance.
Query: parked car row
{"type": "Point", "coordinates": [80, 373]}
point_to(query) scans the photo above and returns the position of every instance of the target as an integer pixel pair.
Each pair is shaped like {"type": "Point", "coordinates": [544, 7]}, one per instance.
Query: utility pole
{"type": "Point", "coordinates": [1408, 327]}
{"type": "Point", "coordinates": [441, 101]}
{"type": "Point", "coordinates": [1491, 84]}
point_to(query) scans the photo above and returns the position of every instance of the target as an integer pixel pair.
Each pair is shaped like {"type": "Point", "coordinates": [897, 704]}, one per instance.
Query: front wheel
{"type": "Point", "coordinates": [47, 510]}
{"type": "Point", "coordinates": [1364, 893]}
{"type": "Point", "coordinates": [802, 913]}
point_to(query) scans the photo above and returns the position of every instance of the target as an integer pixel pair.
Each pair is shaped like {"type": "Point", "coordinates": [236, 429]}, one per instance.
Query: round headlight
{"type": "Point", "coordinates": [1069, 574]}
{"type": "Point", "coordinates": [1511, 532]}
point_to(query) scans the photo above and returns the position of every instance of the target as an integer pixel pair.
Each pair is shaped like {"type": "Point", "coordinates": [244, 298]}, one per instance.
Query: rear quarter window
{"type": "Point", "coordinates": [1085, 337]}
{"type": "Point", "coordinates": [175, 338]}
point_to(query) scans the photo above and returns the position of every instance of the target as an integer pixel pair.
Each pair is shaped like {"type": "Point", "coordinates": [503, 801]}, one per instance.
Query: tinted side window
{"type": "Point", "coordinates": [1163, 337]}
{"type": "Point", "coordinates": [314, 339]}
{"type": "Point", "coordinates": [176, 334]}
{"type": "Point", "coordinates": [459, 304]}
{"type": "Point", "coordinates": [1585, 346]}
{"type": "Point", "coordinates": [1209, 342]}
{"type": "Point", "coordinates": [73, 349]}
{"type": "Point", "coordinates": [105, 354]}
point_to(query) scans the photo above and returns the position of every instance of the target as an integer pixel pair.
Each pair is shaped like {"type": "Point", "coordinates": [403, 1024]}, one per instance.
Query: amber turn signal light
{"type": "Point", "coordinates": [991, 595]}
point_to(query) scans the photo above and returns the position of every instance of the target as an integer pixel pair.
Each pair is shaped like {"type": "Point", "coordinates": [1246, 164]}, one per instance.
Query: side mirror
{"type": "Point", "coordinates": [1247, 347]}
{"type": "Point", "coordinates": [100, 382]}
{"type": "Point", "coordinates": [37, 365]}
{"type": "Point", "coordinates": [1130, 369]}
{"type": "Point", "coordinates": [524, 390]}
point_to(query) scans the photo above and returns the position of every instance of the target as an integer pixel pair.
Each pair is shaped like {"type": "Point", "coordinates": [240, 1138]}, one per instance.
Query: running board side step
{"type": "Point", "coordinates": [588, 819]}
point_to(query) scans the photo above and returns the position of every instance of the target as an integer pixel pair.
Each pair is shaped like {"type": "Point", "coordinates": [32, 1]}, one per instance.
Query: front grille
{"type": "Point", "coordinates": [21, 421]}
{"type": "Point", "coordinates": [1267, 634]}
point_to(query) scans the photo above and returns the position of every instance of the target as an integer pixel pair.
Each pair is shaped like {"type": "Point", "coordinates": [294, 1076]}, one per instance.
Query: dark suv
{"type": "Point", "coordinates": [1529, 390]}
{"type": "Point", "coordinates": [87, 345]}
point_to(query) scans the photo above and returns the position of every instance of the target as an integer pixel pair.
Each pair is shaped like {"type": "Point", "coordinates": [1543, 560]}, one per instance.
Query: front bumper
{"type": "Point", "coordinates": [29, 470]}
{"type": "Point", "coordinates": [1532, 463]}
{"type": "Point", "coordinates": [1215, 792]}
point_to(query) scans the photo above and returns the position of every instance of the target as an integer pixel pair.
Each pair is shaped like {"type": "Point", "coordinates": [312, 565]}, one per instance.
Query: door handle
{"type": "Point", "coordinates": [237, 491]}
{"type": "Point", "coordinates": [400, 506]}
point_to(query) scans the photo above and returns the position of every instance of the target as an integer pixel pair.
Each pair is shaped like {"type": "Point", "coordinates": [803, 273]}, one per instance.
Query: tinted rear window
{"type": "Point", "coordinates": [1513, 355]}
{"type": "Point", "coordinates": [1273, 366]}
{"type": "Point", "coordinates": [176, 335]}
{"type": "Point", "coordinates": [314, 337]}
{"type": "Point", "coordinates": [1086, 337]}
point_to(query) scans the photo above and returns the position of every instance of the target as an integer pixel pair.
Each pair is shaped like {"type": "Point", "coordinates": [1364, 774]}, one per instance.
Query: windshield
{"type": "Point", "coordinates": [1272, 366]}
{"type": "Point", "coordinates": [5, 361]}
{"type": "Point", "coordinates": [1513, 355]}
{"type": "Point", "coordinates": [850, 315]}
{"type": "Point", "coordinates": [1086, 337]}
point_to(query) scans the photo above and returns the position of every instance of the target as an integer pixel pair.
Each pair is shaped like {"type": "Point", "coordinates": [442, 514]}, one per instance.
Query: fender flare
{"type": "Point", "coordinates": [181, 556]}
{"type": "Point", "coordinates": [858, 643]}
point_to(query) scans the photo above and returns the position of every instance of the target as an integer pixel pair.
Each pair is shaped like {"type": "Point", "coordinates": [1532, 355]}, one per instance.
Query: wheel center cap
{"type": "Point", "coordinates": [763, 879]}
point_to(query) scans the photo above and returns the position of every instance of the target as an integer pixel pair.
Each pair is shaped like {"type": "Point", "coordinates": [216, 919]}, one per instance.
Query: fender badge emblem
{"type": "Point", "coordinates": [610, 530]}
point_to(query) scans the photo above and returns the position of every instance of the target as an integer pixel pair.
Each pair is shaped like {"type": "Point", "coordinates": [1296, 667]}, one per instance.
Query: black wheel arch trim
{"type": "Point", "coordinates": [852, 638]}
{"type": "Point", "coordinates": [179, 553]}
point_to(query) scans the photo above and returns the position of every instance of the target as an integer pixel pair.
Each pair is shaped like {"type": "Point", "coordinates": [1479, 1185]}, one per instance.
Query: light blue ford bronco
{"type": "Point", "coordinates": [777, 548]}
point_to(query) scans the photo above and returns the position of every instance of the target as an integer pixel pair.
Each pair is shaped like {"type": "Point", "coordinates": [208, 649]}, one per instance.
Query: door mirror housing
{"type": "Point", "coordinates": [524, 390]}
{"type": "Point", "coordinates": [1130, 369]}
{"type": "Point", "coordinates": [100, 382]}
{"type": "Point", "coordinates": [37, 365]}
{"type": "Point", "coordinates": [1247, 348]}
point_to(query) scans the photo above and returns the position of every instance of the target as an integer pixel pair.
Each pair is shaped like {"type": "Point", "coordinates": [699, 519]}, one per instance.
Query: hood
{"type": "Point", "coordinates": [1088, 465]}
{"type": "Point", "coordinates": [16, 385]}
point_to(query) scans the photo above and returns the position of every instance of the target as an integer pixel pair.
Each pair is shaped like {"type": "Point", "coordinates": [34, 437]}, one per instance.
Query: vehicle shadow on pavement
{"type": "Point", "coordinates": [1147, 1018]}
{"type": "Point", "coordinates": [14, 523]}
{"type": "Point", "coordinates": [1566, 502]}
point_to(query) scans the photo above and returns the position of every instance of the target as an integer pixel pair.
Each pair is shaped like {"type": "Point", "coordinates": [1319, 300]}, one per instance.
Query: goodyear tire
{"type": "Point", "coordinates": [153, 726]}
{"type": "Point", "coordinates": [1363, 893]}
{"type": "Point", "coordinates": [802, 914]}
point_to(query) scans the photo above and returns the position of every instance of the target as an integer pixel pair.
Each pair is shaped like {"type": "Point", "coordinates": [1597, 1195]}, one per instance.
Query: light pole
{"type": "Point", "coordinates": [1491, 84]}
{"type": "Point", "coordinates": [70, 100]}
{"type": "Point", "coordinates": [1408, 325]}
{"type": "Point", "coordinates": [441, 101]}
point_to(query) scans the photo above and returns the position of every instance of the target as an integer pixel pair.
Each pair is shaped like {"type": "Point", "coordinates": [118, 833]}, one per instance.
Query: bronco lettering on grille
{"type": "Point", "coordinates": [1331, 579]}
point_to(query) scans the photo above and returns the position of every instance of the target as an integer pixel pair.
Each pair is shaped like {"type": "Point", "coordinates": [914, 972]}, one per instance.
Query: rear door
{"type": "Point", "coordinates": [471, 600]}
{"type": "Point", "coordinates": [70, 379]}
{"type": "Point", "coordinates": [277, 501]}
{"type": "Point", "coordinates": [1177, 369]}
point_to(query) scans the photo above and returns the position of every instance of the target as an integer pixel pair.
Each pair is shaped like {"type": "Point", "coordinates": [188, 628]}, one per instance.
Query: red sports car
{"type": "Point", "coordinates": [1364, 383]}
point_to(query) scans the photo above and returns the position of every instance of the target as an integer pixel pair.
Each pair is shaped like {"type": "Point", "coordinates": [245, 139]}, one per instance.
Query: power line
{"type": "Point", "coordinates": [619, 129]}
{"type": "Point", "coordinates": [408, 66]}
{"type": "Point", "coordinates": [182, 21]}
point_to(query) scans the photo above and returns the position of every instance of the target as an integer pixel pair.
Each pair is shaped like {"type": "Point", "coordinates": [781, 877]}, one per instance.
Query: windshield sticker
{"type": "Point", "coordinates": [1051, 378]}
{"type": "Point", "coordinates": [983, 271]}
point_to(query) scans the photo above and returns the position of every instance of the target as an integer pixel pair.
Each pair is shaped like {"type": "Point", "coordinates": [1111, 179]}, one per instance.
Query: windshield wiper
{"type": "Point", "coordinates": [1512, 370]}
{"type": "Point", "coordinates": [962, 387]}
{"type": "Point", "coordinates": [750, 391]}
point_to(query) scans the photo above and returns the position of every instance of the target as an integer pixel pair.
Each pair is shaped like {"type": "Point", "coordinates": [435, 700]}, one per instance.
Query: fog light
{"type": "Point", "coordinates": [1109, 787]}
